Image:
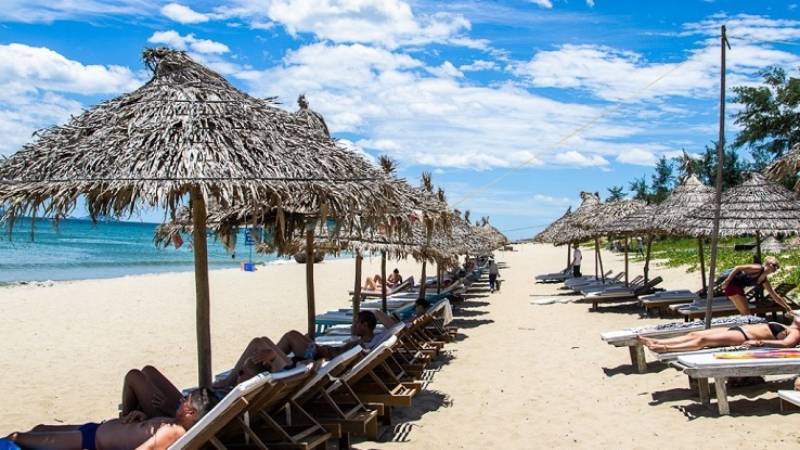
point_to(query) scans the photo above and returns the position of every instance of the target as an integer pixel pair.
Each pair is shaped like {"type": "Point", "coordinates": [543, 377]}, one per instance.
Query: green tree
{"type": "Point", "coordinates": [639, 188]}
{"type": "Point", "coordinates": [770, 120]}
{"type": "Point", "coordinates": [615, 193]}
{"type": "Point", "coordinates": [687, 165]}
{"type": "Point", "coordinates": [661, 180]}
{"type": "Point", "coordinates": [733, 168]}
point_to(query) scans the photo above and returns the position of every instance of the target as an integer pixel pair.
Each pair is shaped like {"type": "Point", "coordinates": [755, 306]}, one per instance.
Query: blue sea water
{"type": "Point", "coordinates": [79, 249]}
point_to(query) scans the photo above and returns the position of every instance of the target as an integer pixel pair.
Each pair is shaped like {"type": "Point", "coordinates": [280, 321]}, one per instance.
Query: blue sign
{"type": "Point", "coordinates": [248, 239]}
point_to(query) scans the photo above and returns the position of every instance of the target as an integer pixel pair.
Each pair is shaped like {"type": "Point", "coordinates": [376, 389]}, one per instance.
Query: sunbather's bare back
{"type": "Point", "coordinates": [115, 435]}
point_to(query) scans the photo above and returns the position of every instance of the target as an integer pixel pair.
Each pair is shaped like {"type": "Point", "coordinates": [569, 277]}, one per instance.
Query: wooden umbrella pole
{"type": "Point", "coordinates": [626, 262]}
{"type": "Point", "coordinates": [357, 289]}
{"type": "Point", "coordinates": [718, 187]}
{"type": "Point", "coordinates": [312, 315]}
{"type": "Point", "coordinates": [200, 250]}
{"type": "Point", "coordinates": [569, 256]}
{"type": "Point", "coordinates": [423, 276]}
{"type": "Point", "coordinates": [647, 259]}
{"type": "Point", "coordinates": [438, 278]}
{"type": "Point", "coordinates": [758, 247]}
{"type": "Point", "coordinates": [599, 259]}
{"type": "Point", "coordinates": [700, 251]}
{"type": "Point", "coordinates": [384, 307]}
{"type": "Point", "coordinates": [596, 265]}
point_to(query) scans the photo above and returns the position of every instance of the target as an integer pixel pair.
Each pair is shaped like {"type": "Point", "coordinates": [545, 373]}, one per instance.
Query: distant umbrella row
{"type": "Point", "coordinates": [758, 207]}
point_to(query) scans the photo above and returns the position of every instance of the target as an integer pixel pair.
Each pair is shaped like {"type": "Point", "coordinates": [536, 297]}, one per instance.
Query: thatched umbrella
{"type": "Point", "coordinates": [639, 221]}
{"type": "Point", "coordinates": [185, 133]}
{"type": "Point", "coordinates": [548, 234]}
{"type": "Point", "coordinates": [786, 166]}
{"type": "Point", "coordinates": [568, 231]}
{"type": "Point", "coordinates": [594, 220]}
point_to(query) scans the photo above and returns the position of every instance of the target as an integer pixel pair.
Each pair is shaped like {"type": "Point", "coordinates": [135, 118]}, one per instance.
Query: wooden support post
{"type": "Point", "coordinates": [758, 248]}
{"type": "Point", "coordinates": [702, 391]}
{"type": "Point", "coordinates": [423, 276]}
{"type": "Point", "coordinates": [637, 358]}
{"type": "Point", "coordinates": [569, 255]}
{"type": "Point", "coordinates": [203, 312]}
{"type": "Point", "coordinates": [384, 307]}
{"type": "Point", "coordinates": [722, 395]}
{"type": "Point", "coordinates": [357, 289]}
{"type": "Point", "coordinates": [312, 315]}
{"type": "Point", "coordinates": [702, 263]}
{"type": "Point", "coordinates": [596, 272]}
{"type": "Point", "coordinates": [627, 284]}
{"type": "Point", "coordinates": [438, 278]}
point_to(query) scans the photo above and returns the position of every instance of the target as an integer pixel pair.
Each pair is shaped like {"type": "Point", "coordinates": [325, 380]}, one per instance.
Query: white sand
{"type": "Point", "coordinates": [524, 376]}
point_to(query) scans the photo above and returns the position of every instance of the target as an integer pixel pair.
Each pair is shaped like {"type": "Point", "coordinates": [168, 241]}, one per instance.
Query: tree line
{"type": "Point", "coordinates": [769, 126]}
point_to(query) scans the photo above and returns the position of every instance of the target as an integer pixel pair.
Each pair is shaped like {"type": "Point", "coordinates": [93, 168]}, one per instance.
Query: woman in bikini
{"type": "Point", "coordinates": [770, 334]}
{"type": "Point", "coordinates": [751, 275]}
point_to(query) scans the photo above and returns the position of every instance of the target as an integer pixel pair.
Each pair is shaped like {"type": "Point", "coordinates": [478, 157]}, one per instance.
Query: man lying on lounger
{"type": "Point", "coordinates": [770, 334]}
{"type": "Point", "coordinates": [304, 348]}
{"type": "Point", "coordinates": [129, 432]}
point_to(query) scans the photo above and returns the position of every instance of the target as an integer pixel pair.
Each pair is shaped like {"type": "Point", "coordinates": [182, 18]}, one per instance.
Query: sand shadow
{"type": "Point", "coordinates": [738, 408]}
{"type": "Point", "coordinates": [459, 337]}
{"type": "Point", "coordinates": [424, 402]}
{"type": "Point", "coordinates": [629, 369]}
{"type": "Point", "coordinates": [619, 308]}
{"type": "Point", "coordinates": [471, 304]}
{"type": "Point", "coordinates": [470, 323]}
{"type": "Point", "coordinates": [469, 312]}
{"type": "Point", "coordinates": [470, 296]}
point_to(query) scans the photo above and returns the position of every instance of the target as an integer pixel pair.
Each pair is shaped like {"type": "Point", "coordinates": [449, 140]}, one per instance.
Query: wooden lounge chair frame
{"type": "Point", "coordinates": [625, 296]}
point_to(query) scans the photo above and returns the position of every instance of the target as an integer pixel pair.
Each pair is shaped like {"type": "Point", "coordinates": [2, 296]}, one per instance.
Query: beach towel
{"type": "Point", "coordinates": [447, 314]}
{"type": "Point", "coordinates": [769, 354]}
{"type": "Point", "coordinates": [5, 444]}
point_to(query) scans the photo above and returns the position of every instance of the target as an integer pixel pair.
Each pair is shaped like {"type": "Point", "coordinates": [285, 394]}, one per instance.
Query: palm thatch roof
{"type": "Point", "coordinates": [547, 234]}
{"type": "Point", "coordinates": [681, 203]}
{"type": "Point", "coordinates": [786, 166]}
{"type": "Point", "coordinates": [639, 221]}
{"type": "Point", "coordinates": [186, 128]}
{"type": "Point", "coordinates": [568, 230]}
{"type": "Point", "coordinates": [756, 206]}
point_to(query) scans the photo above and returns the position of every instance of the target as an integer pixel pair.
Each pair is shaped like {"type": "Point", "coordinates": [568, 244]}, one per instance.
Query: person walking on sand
{"type": "Point", "coordinates": [577, 258]}
{"type": "Point", "coordinates": [493, 273]}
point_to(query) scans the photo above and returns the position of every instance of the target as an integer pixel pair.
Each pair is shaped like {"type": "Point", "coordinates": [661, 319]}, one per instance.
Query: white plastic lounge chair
{"type": "Point", "coordinates": [705, 366]}
{"type": "Point", "coordinates": [628, 337]}
{"type": "Point", "coordinates": [791, 397]}
{"type": "Point", "coordinates": [404, 286]}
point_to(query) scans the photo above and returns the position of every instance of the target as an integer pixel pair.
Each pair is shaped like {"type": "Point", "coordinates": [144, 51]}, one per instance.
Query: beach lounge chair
{"type": "Point", "coordinates": [703, 367]}
{"type": "Point", "coordinates": [227, 422]}
{"type": "Point", "coordinates": [791, 397]}
{"type": "Point", "coordinates": [404, 286]}
{"type": "Point", "coordinates": [628, 337]}
{"type": "Point", "coordinates": [365, 379]}
{"type": "Point", "coordinates": [555, 277]}
{"type": "Point", "coordinates": [600, 289]}
{"type": "Point", "coordinates": [351, 416]}
{"type": "Point", "coordinates": [722, 306]}
{"type": "Point", "coordinates": [622, 295]}
{"type": "Point", "coordinates": [586, 280]}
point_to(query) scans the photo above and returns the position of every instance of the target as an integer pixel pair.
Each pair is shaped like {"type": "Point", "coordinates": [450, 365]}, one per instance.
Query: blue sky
{"type": "Point", "coordinates": [514, 105]}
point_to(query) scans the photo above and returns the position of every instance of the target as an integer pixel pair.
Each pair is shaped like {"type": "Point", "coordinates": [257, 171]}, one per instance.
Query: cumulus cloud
{"type": "Point", "coordinates": [637, 156]}
{"type": "Point", "coordinates": [183, 14]}
{"type": "Point", "coordinates": [590, 3]}
{"type": "Point", "coordinates": [188, 42]}
{"type": "Point", "coordinates": [422, 114]}
{"type": "Point", "coordinates": [46, 11]}
{"type": "Point", "coordinates": [478, 65]}
{"type": "Point", "coordinates": [35, 82]}
{"type": "Point", "coordinates": [543, 3]}
{"type": "Point", "coordinates": [389, 23]}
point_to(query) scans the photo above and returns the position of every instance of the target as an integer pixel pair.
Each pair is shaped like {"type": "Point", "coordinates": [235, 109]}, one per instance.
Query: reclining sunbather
{"type": "Point", "coordinates": [770, 334]}
{"type": "Point", "coordinates": [129, 432]}
{"type": "Point", "coordinates": [304, 347]}
{"type": "Point", "coordinates": [374, 283]}
{"type": "Point", "coordinates": [394, 278]}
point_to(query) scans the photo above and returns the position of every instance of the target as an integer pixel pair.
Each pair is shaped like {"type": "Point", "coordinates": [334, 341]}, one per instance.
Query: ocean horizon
{"type": "Point", "coordinates": [80, 249]}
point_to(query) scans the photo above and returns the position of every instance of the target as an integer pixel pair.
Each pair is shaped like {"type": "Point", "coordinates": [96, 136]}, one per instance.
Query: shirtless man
{"type": "Point", "coordinates": [302, 346]}
{"type": "Point", "coordinates": [394, 278]}
{"type": "Point", "coordinates": [129, 432]}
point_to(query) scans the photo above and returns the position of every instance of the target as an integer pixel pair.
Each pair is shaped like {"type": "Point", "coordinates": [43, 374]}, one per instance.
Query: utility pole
{"type": "Point", "coordinates": [718, 194]}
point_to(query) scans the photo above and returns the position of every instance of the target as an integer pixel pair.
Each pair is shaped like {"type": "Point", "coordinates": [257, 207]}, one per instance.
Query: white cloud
{"type": "Point", "coordinates": [425, 115]}
{"type": "Point", "coordinates": [188, 42]}
{"type": "Point", "coordinates": [36, 11]}
{"type": "Point", "coordinates": [543, 3]}
{"type": "Point", "coordinates": [618, 75]}
{"type": "Point", "coordinates": [34, 68]}
{"type": "Point", "coordinates": [34, 82]}
{"type": "Point", "coordinates": [389, 23]}
{"type": "Point", "coordinates": [590, 3]}
{"type": "Point", "coordinates": [183, 14]}
{"type": "Point", "coordinates": [638, 157]}
{"type": "Point", "coordinates": [478, 65]}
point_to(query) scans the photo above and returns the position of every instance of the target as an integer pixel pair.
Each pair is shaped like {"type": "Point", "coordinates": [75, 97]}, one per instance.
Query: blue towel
{"type": "Point", "coordinates": [5, 444]}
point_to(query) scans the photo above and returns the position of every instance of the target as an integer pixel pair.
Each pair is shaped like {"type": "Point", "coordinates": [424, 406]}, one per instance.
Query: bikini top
{"type": "Point", "coordinates": [745, 279]}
